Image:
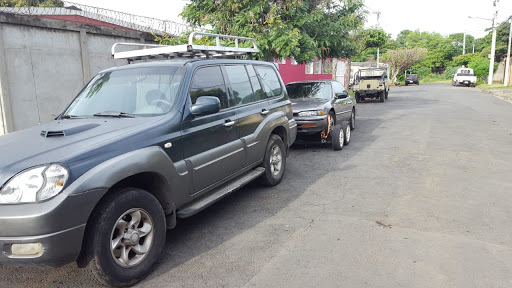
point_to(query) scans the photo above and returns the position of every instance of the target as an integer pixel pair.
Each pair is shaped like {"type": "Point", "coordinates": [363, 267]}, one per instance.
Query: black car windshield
{"type": "Point", "coordinates": [321, 90]}
{"type": "Point", "coordinates": [135, 92]}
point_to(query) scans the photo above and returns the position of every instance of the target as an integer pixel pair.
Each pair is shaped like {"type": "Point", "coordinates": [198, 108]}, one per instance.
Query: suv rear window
{"type": "Point", "coordinates": [270, 81]}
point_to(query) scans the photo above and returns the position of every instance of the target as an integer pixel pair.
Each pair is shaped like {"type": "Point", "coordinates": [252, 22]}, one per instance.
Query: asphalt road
{"type": "Point", "coordinates": [422, 197]}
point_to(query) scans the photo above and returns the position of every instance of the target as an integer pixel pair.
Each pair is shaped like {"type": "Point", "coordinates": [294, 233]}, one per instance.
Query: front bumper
{"type": "Point", "coordinates": [57, 248]}
{"type": "Point", "coordinates": [57, 224]}
{"type": "Point", "coordinates": [311, 124]}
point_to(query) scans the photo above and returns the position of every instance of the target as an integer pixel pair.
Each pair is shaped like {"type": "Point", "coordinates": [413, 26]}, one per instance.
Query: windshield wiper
{"type": "Point", "coordinates": [71, 117]}
{"type": "Point", "coordinates": [115, 114]}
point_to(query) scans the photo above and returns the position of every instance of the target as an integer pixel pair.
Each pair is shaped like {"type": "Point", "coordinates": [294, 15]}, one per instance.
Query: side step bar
{"type": "Point", "coordinates": [219, 193]}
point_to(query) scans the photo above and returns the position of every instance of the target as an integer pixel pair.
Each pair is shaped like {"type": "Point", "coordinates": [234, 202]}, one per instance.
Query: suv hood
{"type": "Point", "coordinates": [306, 104]}
{"type": "Point", "coordinates": [59, 141]}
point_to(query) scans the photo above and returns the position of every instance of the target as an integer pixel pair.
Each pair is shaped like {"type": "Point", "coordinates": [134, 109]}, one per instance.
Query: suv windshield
{"type": "Point", "coordinates": [319, 90]}
{"type": "Point", "coordinates": [134, 92]}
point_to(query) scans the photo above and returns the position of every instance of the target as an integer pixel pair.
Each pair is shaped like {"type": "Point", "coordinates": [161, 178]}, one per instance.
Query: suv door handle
{"type": "Point", "coordinates": [229, 123]}
{"type": "Point", "coordinates": [264, 112]}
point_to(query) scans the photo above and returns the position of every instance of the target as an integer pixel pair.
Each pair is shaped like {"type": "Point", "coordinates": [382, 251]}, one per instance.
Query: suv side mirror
{"type": "Point", "coordinates": [205, 105]}
{"type": "Point", "coordinates": [342, 95]}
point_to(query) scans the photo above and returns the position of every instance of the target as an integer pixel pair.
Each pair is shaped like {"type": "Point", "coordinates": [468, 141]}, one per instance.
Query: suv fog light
{"type": "Point", "coordinates": [27, 249]}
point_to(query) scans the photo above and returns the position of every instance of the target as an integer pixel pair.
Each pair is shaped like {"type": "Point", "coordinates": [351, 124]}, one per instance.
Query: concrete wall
{"type": "Point", "coordinates": [44, 63]}
{"type": "Point", "coordinates": [499, 74]}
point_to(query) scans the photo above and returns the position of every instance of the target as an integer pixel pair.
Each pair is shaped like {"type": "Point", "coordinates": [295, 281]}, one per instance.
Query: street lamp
{"type": "Point", "coordinates": [493, 46]}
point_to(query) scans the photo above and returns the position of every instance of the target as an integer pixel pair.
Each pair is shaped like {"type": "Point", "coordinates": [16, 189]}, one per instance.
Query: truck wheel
{"type": "Point", "coordinates": [338, 137]}
{"type": "Point", "coordinates": [353, 119]}
{"type": "Point", "coordinates": [347, 134]}
{"type": "Point", "coordinates": [387, 93]}
{"type": "Point", "coordinates": [358, 97]}
{"type": "Point", "coordinates": [274, 161]}
{"type": "Point", "coordinates": [125, 238]}
{"type": "Point", "coordinates": [382, 96]}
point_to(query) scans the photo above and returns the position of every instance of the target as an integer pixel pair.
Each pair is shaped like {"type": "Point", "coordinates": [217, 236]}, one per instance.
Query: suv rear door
{"type": "Point", "coordinates": [251, 108]}
{"type": "Point", "coordinates": [212, 146]}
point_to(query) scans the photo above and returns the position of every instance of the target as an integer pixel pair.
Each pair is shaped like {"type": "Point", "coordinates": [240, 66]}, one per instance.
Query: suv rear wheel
{"type": "Point", "coordinates": [126, 237]}
{"type": "Point", "coordinates": [274, 161]}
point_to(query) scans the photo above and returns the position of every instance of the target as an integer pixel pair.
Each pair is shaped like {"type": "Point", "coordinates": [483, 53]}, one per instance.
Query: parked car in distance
{"type": "Point", "coordinates": [464, 77]}
{"type": "Point", "coordinates": [371, 83]}
{"type": "Point", "coordinates": [322, 108]}
{"type": "Point", "coordinates": [141, 145]}
{"type": "Point", "coordinates": [412, 79]}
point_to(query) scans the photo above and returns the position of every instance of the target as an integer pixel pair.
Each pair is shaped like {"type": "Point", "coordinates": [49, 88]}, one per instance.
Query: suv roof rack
{"type": "Point", "coordinates": [154, 51]}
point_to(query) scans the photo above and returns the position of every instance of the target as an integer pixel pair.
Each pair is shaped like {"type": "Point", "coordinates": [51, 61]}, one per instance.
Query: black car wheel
{"type": "Point", "coordinates": [125, 237]}
{"type": "Point", "coordinates": [274, 161]}
{"type": "Point", "coordinates": [347, 134]}
{"type": "Point", "coordinates": [353, 119]}
{"type": "Point", "coordinates": [338, 137]}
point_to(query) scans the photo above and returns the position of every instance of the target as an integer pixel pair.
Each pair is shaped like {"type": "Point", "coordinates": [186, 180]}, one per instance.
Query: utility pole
{"type": "Point", "coordinates": [473, 47]}
{"type": "Point", "coordinates": [507, 63]}
{"type": "Point", "coordinates": [493, 45]}
{"type": "Point", "coordinates": [378, 25]}
{"type": "Point", "coordinates": [464, 44]}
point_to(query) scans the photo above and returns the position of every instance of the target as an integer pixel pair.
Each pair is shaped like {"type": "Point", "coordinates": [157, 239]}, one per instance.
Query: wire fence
{"type": "Point", "coordinates": [131, 21]}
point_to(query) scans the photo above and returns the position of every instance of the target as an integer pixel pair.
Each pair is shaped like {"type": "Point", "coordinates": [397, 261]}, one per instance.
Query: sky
{"type": "Point", "coordinates": [441, 16]}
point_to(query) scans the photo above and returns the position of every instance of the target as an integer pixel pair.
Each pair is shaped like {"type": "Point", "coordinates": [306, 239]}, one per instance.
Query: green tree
{"type": "Point", "coordinates": [304, 29]}
{"type": "Point", "coordinates": [483, 45]}
{"type": "Point", "coordinates": [31, 3]}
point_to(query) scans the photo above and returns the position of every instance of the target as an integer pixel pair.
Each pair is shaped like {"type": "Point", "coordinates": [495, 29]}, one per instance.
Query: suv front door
{"type": "Point", "coordinates": [212, 146]}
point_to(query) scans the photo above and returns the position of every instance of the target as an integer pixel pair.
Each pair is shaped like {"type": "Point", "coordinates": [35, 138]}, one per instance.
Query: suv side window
{"type": "Point", "coordinates": [240, 85]}
{"type": "Point", "coordinates": [208, 81]}
{"type": "Point", "coordinates": [337, 87]}
{"type": "Point", "coordinates": [256, 86]}
{"type": "Point", "coordinates": [269, 80]}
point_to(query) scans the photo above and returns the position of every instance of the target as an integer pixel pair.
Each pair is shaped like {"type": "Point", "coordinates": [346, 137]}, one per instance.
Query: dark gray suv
{"type": "Point", "coordinates": [141, 145]}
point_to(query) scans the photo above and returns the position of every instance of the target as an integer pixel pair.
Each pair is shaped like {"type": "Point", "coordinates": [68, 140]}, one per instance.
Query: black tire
{"type": "Point", "coordinates": [271, 178]}
{"type": "Point", "coordinates": [418, 83]}
{"type": "Point", "coordinates": [406, 84]}
{"type": "Point", "coordinates": [382, 96]}
{"type": "Point", "coordinates": [101, 260]}
{"type": "Point", "coordinates": [338, 137]}
{"type": "Point", "coordinates": [358, 97]}
{"type": "Point", "coordinates": [387, 93]}
{"type": "Point", "coordinates": [347, 137]}
{"type": "Point", "coordinates": [353, 119]}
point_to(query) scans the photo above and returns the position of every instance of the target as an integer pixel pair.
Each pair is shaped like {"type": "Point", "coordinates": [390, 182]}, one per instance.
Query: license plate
{"type": "Point", "coordinates": [356, 86]}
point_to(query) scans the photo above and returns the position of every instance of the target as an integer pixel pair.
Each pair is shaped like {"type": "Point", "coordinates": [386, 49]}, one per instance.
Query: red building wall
{"type": "Point", "coordinates": [291, 73]}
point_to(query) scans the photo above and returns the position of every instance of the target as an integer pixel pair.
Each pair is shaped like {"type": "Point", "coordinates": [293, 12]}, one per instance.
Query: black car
{"type": "Point", "coordinates": [412, 79]}
{"type": "Point", "coordinates": [140, 146]}
{"type": "Point", "coordinates": [319, 108]}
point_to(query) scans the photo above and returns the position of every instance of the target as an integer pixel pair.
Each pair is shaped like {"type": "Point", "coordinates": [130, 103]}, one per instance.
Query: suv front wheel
{"type": "Point", "coordinates": [274, 161]}
{"type": "Point", "coordinates": [126, 237]}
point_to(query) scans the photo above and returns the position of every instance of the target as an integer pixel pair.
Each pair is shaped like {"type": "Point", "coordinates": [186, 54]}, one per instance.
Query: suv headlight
{"type": "Point", "coordinates": [311, 113]}
{"type": "Point", "coordinates": [34, 185]}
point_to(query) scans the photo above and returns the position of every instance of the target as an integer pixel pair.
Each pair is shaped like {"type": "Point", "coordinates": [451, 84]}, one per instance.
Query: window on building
{"type": "Point", "coordinates": [318, 66]}
{"type": "Point", "coordinates": [293, 61]}
{"type": "Point", "coordinates": [327, 66]}
{"type": "Point", "coordinates": [309, 68]}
